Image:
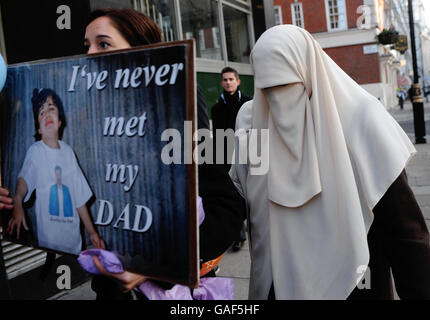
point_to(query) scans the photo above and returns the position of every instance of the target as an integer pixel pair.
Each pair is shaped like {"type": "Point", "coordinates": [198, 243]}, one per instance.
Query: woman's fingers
{"type": "Point", "coordinates": [4, 192]}
{"type": "Point", "coordinates": [99, 265]}
{"type": "Point", "coordinates": [126, 280]}
{"type": "Point", "coordinates": [6, 206]}
{"type": "Point", "coordinates": [5, 201]}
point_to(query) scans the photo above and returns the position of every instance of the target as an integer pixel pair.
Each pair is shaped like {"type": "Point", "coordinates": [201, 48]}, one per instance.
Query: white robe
{"type": "Point", "coordinates": [333, 152]}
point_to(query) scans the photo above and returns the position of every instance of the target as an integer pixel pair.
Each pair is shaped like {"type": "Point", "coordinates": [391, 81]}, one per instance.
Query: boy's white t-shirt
{"type": "Point", "coordinates": [55, 231]}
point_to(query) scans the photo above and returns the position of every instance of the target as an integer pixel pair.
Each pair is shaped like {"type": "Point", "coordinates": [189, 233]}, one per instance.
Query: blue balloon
{"type": "Point", "coordinates": [3, 71]}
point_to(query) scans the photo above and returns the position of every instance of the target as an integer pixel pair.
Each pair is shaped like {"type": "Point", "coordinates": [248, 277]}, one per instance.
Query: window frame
{"type": "Point", "coordinates": [293, 14]}
{"type": "Point", "coordinates": [327, 12]}
{"type": "Point", "coordinates": [278, 15]}
{"type": "Point", "coordinates": [208, 65]}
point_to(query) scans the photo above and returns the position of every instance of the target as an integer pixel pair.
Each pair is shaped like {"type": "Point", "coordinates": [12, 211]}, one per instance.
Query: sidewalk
{"type": "Point", "coordinates": [236, 265]}
{"type": "Point", "coordinates": [418, 170]}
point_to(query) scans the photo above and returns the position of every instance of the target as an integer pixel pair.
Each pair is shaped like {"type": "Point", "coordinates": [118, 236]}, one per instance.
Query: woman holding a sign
{"type": "Point", "coordinates": [224, 209]}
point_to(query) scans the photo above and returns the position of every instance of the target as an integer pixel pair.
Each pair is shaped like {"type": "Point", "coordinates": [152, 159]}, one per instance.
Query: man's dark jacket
{"type": "Point", "coordinates": [224, 114]}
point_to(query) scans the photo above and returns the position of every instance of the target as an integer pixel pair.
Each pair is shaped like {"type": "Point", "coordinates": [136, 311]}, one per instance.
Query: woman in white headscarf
{"type": "Point", "coordinates": [334, 152]}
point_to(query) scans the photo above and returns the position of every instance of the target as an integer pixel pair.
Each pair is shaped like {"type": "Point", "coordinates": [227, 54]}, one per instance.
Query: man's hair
{"type": "Point", "coordinates": [38, 99]}
{"type": "Point", "coordinates": [58, 168]}
{"type": "Point", "coordinates": [136, 27]}
{"type": "Point", "coordinates": [230, 69]}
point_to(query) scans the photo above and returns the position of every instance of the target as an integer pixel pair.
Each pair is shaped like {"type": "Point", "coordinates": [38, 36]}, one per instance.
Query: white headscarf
{"type": "Point", "coordinates": [334, 152]}
{"type": "Point", "coordinates": [287, 54]}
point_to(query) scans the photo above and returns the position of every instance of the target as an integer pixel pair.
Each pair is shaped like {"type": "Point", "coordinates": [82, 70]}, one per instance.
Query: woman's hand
{"type": "Point", "coordinates": [18, 219]}
{"type": "Point", "coordinates": [5, 201]}
{"type": "Point", "coordinates": [97, 241]}
{"type": "Point", "coordinates": [126, 280]}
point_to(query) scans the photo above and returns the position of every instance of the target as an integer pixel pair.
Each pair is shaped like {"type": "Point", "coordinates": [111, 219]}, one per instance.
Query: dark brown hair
{"type": "Point", "coordinates": [38, 99]}
{"type": "Point", "coordinates": [229, 69]}
{"type": "Point", "coordinates": [136, 27]}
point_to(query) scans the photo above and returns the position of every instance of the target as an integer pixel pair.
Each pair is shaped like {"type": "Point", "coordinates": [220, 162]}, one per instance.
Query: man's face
{"type": "Point", "coordinates": [49, 122]}
{"type": "Point", "coordinates": [230, 82]}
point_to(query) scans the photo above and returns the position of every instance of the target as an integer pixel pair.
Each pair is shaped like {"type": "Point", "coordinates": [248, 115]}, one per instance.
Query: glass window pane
{"type": "Point", "coordinates": [163, 13]}
{"type": "Point", "coordinates": [97, 4]}
{"type": "Point", "coordinates": [278, 15]}
{"type": "Point", "coordinates": [200, 21]}
{"type": "Point", "coordinates": [342, 14]}
{"type": "Point", "coordinates": [337, 14]}
{"type": "Point", "coordinates": [239, 3]}
{"type": "Point", "coordinates": [236, 34]}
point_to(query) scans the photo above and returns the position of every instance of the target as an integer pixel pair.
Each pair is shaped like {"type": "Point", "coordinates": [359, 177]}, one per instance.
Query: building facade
{"type": "Point", "coordinates": [347, 30]}
{"type": "Point", "coordinates": [398, 17]}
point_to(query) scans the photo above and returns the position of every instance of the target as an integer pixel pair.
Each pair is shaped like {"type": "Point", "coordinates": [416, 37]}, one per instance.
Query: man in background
{"type": "Point", "coordinates": [224, 114]}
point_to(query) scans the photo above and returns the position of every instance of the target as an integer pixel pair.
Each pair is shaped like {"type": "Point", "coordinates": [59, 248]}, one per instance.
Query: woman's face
{"type": "Point", "coordinates": [49, 121]}
{"type": "Point", "coordinates": [102, 36]}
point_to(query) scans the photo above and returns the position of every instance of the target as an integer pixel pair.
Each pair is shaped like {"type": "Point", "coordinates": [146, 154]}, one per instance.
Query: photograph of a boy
{"type": "Point", "coordinates": [51, 169]}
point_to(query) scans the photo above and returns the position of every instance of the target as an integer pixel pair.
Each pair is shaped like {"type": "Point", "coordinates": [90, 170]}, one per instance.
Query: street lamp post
{"type": "Point", "coordinates": [417, 99]}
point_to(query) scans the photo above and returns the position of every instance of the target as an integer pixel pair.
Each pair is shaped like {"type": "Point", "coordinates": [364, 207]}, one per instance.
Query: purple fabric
{"type": "Point", "coordinates": [209, 289]}
{"type": "Point", "coordinates": [109, 260]}
{"type": "Point", "coordinates": [214, 289]}
{"type": "Point", "coordinates": [201, 211]}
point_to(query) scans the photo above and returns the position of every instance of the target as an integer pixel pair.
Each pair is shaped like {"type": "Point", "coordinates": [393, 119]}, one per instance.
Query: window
{"type": "Point", "coordinates": [297, 14]}
{"type": "Point", "coordinates": [236, 34]}
{"type": "Point", "coordinates": [222, 29]}
{"type": "Point", "coordinates": [95, 4]}
{"type": "Point", "coordinates": [278, 14]}
{"type": "Point", "coordinates": [336, 15]}
{"type": "Point", "coordinates": [200, 21]}
{"type": "Point", "coordinates": [208, 39]}
{"type": "Point", "coordinates": [162, 12]}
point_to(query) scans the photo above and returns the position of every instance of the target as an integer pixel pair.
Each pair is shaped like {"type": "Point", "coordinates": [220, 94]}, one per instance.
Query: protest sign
{"type": "Point", "coordinates": [109, 156]}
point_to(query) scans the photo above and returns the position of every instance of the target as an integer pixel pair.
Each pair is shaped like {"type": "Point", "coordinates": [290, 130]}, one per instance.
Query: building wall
{"type": "Point", "coordinates": [363, 68]}
{"type": "Point", "coordinates": [315, 15]}
{"type": "Point", "coordinates": [351, 12]}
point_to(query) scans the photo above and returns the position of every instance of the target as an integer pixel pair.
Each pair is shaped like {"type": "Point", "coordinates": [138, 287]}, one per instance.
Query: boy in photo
{"type": "Point", "coordinates": [51, 169]}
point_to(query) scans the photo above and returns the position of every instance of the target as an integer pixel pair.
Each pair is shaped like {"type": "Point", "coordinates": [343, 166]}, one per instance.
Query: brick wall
{"type": "Point", "coordinates": [313, 12]}
{"type": "Point", "coordinates": [363, 68]}
{"type": "Point", "coordinates": [351, 12]}
{"type": "Point", "coordinates": [315, 15]}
